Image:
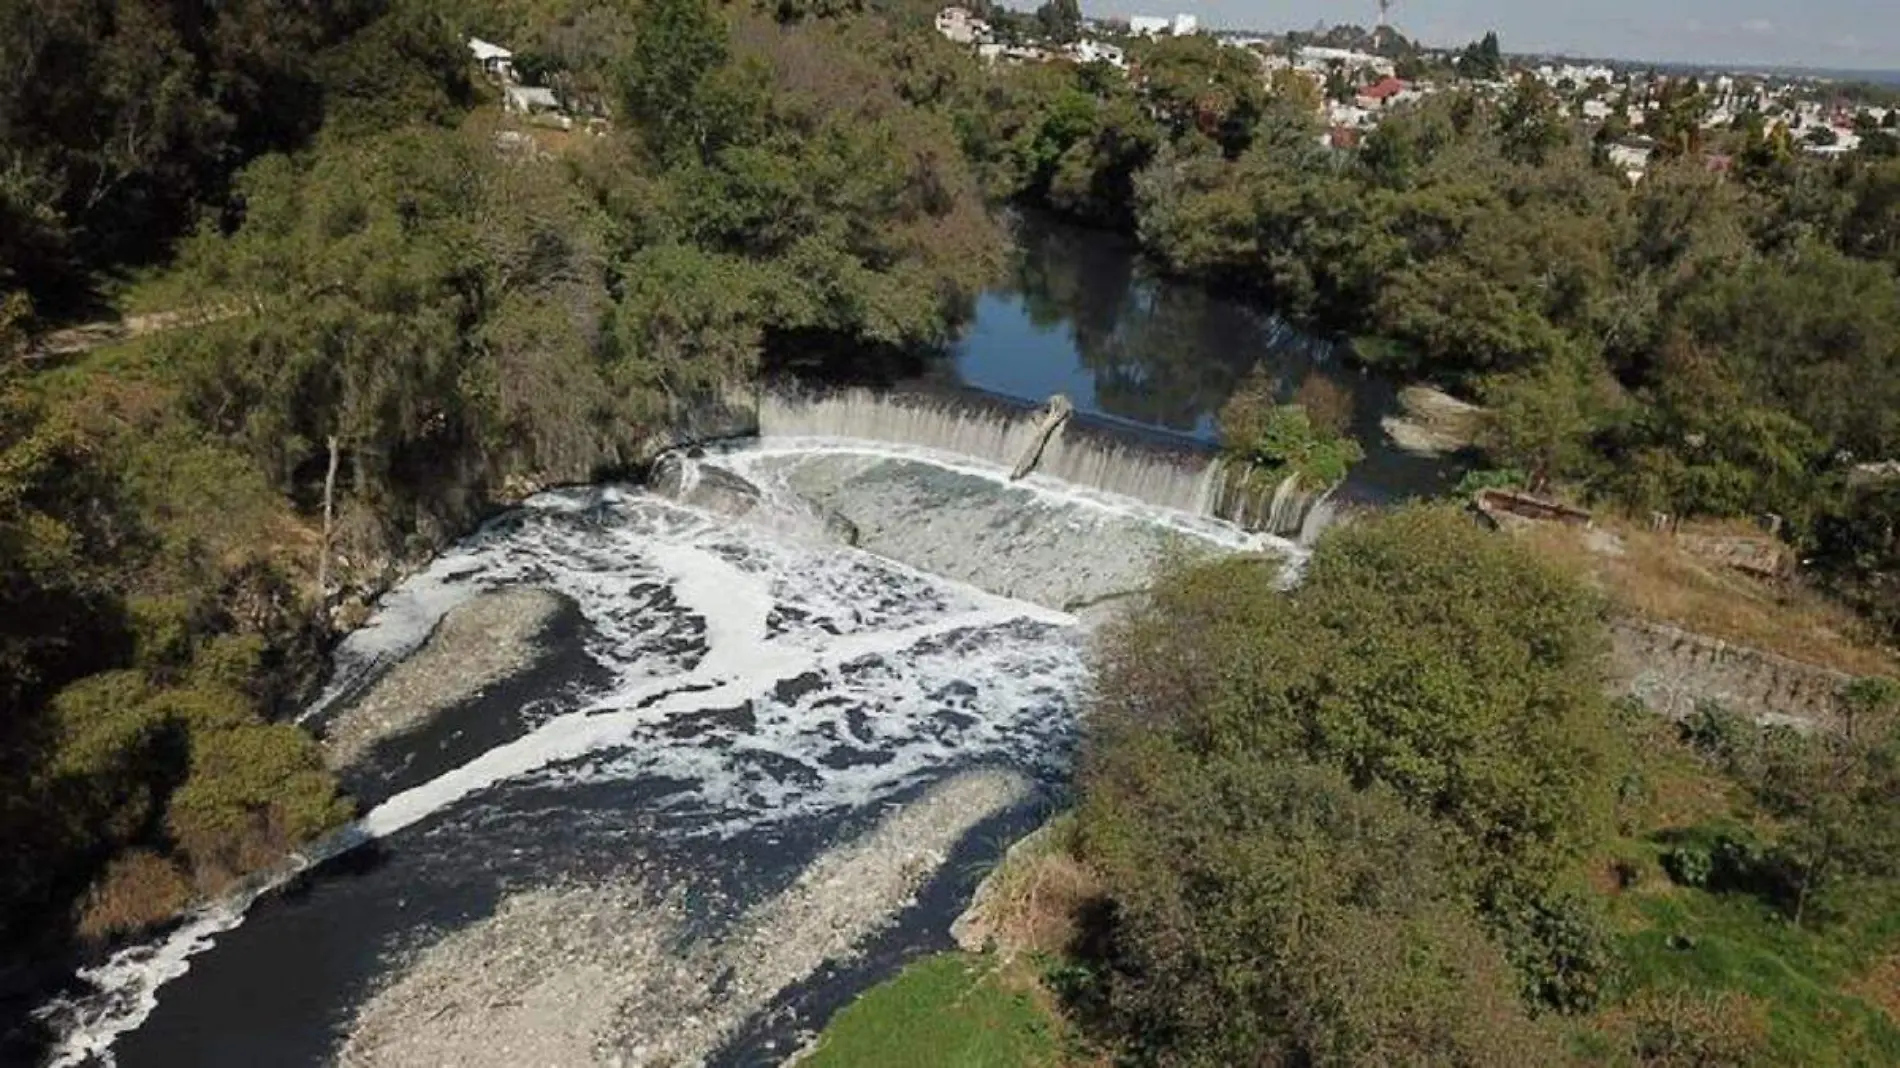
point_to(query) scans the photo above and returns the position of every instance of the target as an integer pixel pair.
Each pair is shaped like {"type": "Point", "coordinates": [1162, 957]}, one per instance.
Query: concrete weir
{"type": "Point", "coordinates": [1150, 466]}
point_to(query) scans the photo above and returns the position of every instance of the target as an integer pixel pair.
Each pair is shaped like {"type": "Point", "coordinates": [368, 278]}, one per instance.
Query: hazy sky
{"type": "Point", "coordinates": [1819, 33]}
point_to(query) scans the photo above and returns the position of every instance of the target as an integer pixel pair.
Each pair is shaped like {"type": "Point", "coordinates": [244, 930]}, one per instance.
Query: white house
{"type": "Point", "coordinates": [1632, 155]}
{"type": "Point", "coordinates": [962, 27]}
{"type": "Point", "coordinates": [496, 60]}
{"type": "Point", "coordinates": [1317, 58]}
{"type": "Point", "coordinates": [1347, 115]}
{"type": "Point", "coordinates": [534, 100]}
{"type": "Point", "coordinates": [1091, 51]}
{"type": "Point", "coordinates": [1148, 25]}
{"type": "Point", "coordinates": [1185, 26]}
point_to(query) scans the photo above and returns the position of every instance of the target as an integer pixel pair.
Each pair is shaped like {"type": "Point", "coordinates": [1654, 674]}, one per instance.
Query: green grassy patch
{"type": "Point", "coordinates": [955, 1010]}
{"type": "Point", "coordinates": [1684, 938]}
{"type": "Point", "coordinates": [1724, 947]}
{"type": "Point", "coordinates": [1690, 939]}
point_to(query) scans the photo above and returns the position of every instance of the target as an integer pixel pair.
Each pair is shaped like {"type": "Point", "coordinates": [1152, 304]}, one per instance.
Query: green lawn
{"type": "Point", "coordinates": [953, 1010]}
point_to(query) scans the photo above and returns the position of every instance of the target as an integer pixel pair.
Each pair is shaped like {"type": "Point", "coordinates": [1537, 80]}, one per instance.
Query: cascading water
{"type": "Point", "coordinates": [1181, 476]}
{"type": "Point", "coordinates": [739, 702]}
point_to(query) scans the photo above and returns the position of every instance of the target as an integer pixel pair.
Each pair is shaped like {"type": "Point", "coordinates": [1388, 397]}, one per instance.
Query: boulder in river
{"type": "Point", "coordinates": [715, 489]}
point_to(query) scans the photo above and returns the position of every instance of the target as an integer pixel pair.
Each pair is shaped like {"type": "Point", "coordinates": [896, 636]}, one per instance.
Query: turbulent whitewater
{"type": "Point", "coordinates": [731, 710]}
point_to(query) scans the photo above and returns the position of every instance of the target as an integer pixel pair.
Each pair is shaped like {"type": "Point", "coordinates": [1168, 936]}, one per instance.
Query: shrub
{"type": "Point", "coordinates": [1490, 478]}
{"type": "Point", "coordinates": [1327, 403]}
{"type": "Point", "coordinates": [1689, 865]}
{"type": "Point", "coordinates": [1715, 732]}
{"type": "Point", "coordinates": [1678, 1029]}
{"type": "Point", "coordinates": [1560, 946]}
{"type": "Point", "coordinates": [1272, 913]}
{"type": "Point", "coordinates": [139, 888]}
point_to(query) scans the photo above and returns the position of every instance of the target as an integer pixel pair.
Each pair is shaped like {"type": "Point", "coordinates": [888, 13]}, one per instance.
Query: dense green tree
{"type": "Point", "coordinates": [1276, 440]}
{"type": "Point", "coordinates": [1197, 85]}
{"type": "Point", "coordinates": [1297, 89]}
{"type": "Point", "coordinates": [1543, 420]}
{"type": "Point", "coordinates": [1425, 706]}
{"type": "Point", "coordinates": [1840, 796]}
{"type": "Point", "coordinates": [1531, 125]}
{"type": "Point", "coordinates": [1271, 913]}
{"type": "Point", "coordinates": [411, 66]}
{"type": "Point", "coordinates": [1816, 334]}
{"type": "Point", "coordinates": [1677, 120]}
{"type": "Point", "coordinates": [1061, 20]}
{"type": "Point", "coordinates": [1505, 740]}
{"type": "Point", "coordinates": [1871, 229]}
{"type": "Point", "coordinates": [120, 120]}
{"type": "Point", "coordinates": [1857, 551]}
{"type": "Point", "coordinates": [1482, 60]}
{"type": "Point", "coordinates": [668, 83]}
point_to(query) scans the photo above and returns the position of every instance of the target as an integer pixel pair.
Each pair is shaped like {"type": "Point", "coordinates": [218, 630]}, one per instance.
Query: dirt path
{"type": "Point", "coordinates": [75, 340]}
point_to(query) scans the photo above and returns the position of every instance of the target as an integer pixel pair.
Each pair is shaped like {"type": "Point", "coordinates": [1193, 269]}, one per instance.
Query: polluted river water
{"type": "Point", "coordinates": [746, 770]}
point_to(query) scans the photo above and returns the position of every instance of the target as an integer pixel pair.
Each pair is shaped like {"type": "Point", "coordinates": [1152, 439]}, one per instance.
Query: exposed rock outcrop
{"type": "Point", "coordinates": [678, 478]}
{"type": "Point", "coordinates": [1434, 422]}
{"type": "Point", "coordinates": [1672, 670]}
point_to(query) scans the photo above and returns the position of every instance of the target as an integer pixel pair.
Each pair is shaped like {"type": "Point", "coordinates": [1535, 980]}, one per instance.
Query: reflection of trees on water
{"type": "Point", "coordinates": [1161, 354]}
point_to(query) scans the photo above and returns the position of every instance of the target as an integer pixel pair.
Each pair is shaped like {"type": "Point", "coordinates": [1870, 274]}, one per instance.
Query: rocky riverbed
{"type": "Point", "coordinates": [608, 973]}
{"type": "Point", "coordinates": [479, 643]}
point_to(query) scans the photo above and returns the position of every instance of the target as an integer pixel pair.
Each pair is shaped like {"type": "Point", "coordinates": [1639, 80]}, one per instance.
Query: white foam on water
{"type": "Point", "coordinates": [132, 978]}
{"type": "Point", "coordinates": [775, 677]}
{"type": "Point", "coordinates": [828, 654]}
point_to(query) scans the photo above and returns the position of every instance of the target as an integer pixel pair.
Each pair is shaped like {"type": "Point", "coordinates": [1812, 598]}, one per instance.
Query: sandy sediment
{"type": "Point", "coordinates": [1434, 422]}
{"type": "Point", "coordinates": [478, 643]}
{"type": "Point", "coordinates": [601, 975]}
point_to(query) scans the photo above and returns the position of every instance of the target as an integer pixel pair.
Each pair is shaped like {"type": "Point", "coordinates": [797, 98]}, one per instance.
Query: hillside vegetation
{"type": "Point", "coordinates": [1387, 818]}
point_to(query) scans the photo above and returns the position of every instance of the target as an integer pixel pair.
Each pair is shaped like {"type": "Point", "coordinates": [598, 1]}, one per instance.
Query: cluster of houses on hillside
{"type": "Point", "coordinates": [1600, 94]}
{"type": "Point", "coordinates": [1357, 89]}
{"type": "Point", "coordinates": [962, 26]}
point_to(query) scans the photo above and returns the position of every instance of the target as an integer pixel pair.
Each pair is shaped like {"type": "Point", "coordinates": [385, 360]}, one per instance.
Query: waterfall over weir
{"type": "Point", "coordinates": [1180, 475]}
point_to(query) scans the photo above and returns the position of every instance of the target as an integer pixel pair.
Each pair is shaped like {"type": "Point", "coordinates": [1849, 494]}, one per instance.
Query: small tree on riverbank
{"type": "Point", "coordinates": [1280, 440]}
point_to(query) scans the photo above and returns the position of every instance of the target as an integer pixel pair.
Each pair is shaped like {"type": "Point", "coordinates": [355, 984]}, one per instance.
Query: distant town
{"type": "Point", "coordinates": [1359, 75]}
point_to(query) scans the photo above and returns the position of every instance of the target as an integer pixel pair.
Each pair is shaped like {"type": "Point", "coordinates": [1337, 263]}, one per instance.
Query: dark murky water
{"type": "Point", "coordinates": [1083, 315]}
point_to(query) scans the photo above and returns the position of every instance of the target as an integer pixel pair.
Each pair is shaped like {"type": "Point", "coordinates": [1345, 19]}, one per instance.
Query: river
{"type": "Point", "coordinates": [749, 769]}
{"type": "Point", "coordinates": [1083, 314]}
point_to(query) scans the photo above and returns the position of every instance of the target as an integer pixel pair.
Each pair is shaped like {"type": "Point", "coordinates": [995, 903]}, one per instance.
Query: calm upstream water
{"type": "Point", "coordinates": [1082, 314]}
